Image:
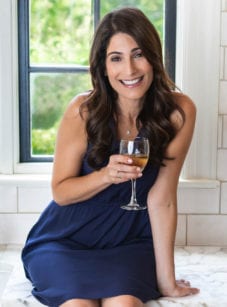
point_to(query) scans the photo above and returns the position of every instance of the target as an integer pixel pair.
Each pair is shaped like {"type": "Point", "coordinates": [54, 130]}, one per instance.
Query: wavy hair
{"type": "Point", "coordinates": [100, 105]}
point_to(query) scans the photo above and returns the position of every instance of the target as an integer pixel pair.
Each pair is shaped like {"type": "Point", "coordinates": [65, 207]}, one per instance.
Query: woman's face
{"type": "Point", "coordinates": [128, 71]}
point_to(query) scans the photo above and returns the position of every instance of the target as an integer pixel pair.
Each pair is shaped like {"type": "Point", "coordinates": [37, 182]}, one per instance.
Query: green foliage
{"type": "Point", "coordinates": [51, 94]}
{"type": "Point", "coordinates": [152, 9]}
{"type": "Point", "coordinates": [43, 141]}
{"type": "Point", "coordinates": [60, 31]}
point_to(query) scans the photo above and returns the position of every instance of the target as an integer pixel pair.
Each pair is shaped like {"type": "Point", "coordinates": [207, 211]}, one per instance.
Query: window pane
{"type": "Point", "coordinates": [60, 31]}
{"type": "Point", "coordinates": [50, 94]}
{"type": "Point", "coordinates": [153, 9]}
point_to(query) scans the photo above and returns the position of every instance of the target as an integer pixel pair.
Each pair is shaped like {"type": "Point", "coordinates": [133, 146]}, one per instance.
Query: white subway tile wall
{"type": "Point", "coordinates": [8, 199]}
{"type": "Point", "coordinates": [199, 201]}
{"type": "Point", "coordinates": [222, 164]}
{"type": "Point", "coordinates": [224, 142]}
{"type": "Point", "coordinates": [223, 97]}
{"type": "Point", "coordinates": [202, 218]}
{"type": "Point", "coordinates": [224, 198]}
{"type": "Point", "coordinates": [225, 63]}
{"type": "Point", "coordinates": [33, 199]}
{"type": "Point", "coordinates": [220, 129]}
{"type": "Point", "coordinates": [207, 230]}
{"type": "Point", "coordinates": [215, 227]}
{"type": "Point", "coordinates": [222, 63]}
{"type": "Point", "coordinates": [223, 29]}
{"type": "Point", "coordinates": [15, 227]}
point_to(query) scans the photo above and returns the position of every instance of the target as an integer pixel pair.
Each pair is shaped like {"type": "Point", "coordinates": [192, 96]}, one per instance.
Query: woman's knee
{"type": "Point", "coordinates": [122, 301]}
{"type": "Point", "coordinates": [80, 303]}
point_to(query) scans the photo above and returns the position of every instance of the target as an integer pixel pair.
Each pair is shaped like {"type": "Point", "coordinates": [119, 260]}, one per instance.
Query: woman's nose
{"type": "Point", "coordinates": [130, 67]}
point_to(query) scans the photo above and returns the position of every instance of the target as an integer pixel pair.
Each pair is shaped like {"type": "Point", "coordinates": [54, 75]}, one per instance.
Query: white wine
{"type": "Point", "coordinates": [139, 160]}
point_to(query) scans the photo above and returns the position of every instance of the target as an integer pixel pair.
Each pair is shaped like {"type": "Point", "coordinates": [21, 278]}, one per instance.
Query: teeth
{"type": "Point", "coordinates": [131, 82]}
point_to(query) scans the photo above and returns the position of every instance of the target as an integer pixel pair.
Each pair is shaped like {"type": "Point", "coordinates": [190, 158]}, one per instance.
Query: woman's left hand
{"type": "Point", "coordinates": [181, 288]}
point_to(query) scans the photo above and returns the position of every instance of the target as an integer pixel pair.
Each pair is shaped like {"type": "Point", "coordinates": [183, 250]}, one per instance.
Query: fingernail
{"type": "Point", "coordinates": [129, 160]}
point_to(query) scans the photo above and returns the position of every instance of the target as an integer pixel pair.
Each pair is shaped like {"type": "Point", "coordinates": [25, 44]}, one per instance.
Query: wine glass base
{"type": "Point", "coordinates": [134, 207]}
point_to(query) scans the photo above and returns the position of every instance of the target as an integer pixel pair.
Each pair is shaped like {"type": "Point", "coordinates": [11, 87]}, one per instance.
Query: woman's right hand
{"type": "Point", "coordinates": [120, 169]}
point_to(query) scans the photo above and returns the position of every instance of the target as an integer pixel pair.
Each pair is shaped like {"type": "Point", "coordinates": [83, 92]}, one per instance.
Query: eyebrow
{"type": "Point", "coordinates": [118, 52]}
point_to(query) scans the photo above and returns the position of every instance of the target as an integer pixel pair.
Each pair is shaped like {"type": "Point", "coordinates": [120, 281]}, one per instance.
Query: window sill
{"type": "Point", "coordinates": [41, 180]}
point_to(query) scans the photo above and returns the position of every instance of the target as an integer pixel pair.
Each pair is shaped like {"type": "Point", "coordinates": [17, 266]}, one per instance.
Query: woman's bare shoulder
{"type": "Point", "coordinates": [185, 102]}
{"type": "Point", "coordinates": [188, 107]}
{"type": "Point", "coordinates": [74, 107]}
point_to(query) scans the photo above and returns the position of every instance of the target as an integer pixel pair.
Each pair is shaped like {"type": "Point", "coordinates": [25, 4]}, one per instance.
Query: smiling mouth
{"type": "Point", "coordinates": [132, 82]}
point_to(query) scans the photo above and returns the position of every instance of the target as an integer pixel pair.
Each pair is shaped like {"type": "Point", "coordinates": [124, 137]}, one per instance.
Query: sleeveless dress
{"type": "Point", "coordinates": [93, 249]}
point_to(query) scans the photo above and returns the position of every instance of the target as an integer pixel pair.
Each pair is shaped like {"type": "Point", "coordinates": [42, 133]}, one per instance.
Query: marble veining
{"type": "Point", "coordinates": [205, 267]}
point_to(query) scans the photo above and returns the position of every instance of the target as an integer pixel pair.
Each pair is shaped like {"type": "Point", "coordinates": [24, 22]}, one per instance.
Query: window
{"type": "Point", "coordinates": [54, 43]}
{"type": "Point", "coordinates": [194, 50]}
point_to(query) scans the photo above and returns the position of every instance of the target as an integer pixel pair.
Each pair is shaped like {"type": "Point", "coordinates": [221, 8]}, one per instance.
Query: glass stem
{"type": "Point", "coordinates": [133, 197]}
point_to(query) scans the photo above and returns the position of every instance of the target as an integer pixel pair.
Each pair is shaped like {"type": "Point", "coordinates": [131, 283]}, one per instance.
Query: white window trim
{"type": "Point", "coordinates": [197, 73]}
{"type": "Point", "coordinates": [7, 88]}
{"type": "Point", "coordinates": [197, 57]}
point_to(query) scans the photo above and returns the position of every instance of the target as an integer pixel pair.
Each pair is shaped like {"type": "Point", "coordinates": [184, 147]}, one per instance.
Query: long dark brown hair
{"type": "Point", "coordinates": [158, 104]}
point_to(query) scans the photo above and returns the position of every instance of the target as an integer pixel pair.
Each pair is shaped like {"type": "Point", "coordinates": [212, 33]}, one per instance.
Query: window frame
{"type": "Point", "coordinates": [25, 69]}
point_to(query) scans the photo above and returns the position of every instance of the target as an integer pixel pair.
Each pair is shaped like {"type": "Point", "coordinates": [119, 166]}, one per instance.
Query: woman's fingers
{"type": "Point", "coordinates": [182, 282]}
{"type": "Point", "coordinates": [121, 169]}
{"type": "Point", "coordinates": [183, 290]}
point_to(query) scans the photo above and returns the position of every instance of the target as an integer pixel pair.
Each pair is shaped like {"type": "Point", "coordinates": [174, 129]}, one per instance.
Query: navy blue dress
{"type": "Point", "coordinates": [93, 249]}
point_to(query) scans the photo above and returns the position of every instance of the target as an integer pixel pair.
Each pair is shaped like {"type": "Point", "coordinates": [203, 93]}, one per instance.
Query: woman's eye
{"type": "Point", "coordinates": [115, 59]}
{"type": "Point", "coordinates": [138, 55]}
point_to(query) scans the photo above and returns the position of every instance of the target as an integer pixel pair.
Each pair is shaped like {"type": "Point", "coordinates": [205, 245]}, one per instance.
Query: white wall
{"type": "Point", "coordinates": [201, 73]}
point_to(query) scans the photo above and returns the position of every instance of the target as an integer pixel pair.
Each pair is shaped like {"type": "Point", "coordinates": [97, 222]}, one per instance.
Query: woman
{"type": "Point", "coordinates": [85, 250]}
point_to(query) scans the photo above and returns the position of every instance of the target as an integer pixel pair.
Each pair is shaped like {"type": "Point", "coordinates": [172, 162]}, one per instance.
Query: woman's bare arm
{"type": "Point", "coordinates": [162, 203]}
{"type": "Point", "coordinates": [71, 145]}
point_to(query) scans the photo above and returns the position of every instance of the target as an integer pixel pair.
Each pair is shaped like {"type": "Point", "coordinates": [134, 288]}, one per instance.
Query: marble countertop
{"type": "Point", "coordinates": [204, 267]}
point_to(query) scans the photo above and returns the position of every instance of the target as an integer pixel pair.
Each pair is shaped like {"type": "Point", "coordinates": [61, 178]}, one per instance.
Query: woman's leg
{"type": "Point", "coordinates": [122, 301]}
{"type": "Point", "coordinates": [81, 303]}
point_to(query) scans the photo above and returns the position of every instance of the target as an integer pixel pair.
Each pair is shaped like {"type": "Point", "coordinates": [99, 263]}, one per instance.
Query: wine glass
{"type": "Point", "coordinates": [138, 151]}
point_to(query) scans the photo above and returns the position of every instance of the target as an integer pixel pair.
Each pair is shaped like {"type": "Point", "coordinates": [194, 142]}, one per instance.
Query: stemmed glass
{"type": "Point", "coordinates": [138, 151]}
